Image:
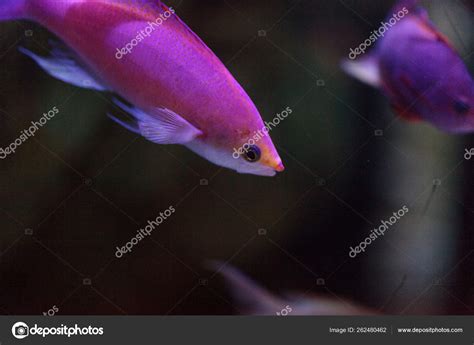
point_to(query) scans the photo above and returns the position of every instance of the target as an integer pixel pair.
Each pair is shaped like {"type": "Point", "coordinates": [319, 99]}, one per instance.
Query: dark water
{"type": "Point", "coordinates": [84, 185]}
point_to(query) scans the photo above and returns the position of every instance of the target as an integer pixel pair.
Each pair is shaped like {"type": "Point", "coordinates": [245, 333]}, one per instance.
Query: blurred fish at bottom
{"type": "Point", "coordinates": [252, 299]}
{"type": "Point", "coordinates": [181, 93]}
{"type": "Point", "coordinates": [418, 69]}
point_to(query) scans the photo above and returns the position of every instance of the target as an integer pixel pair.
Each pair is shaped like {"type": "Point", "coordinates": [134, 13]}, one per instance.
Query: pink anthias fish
{"type": "Point", "coordinates": [252, 299]}
{"type": "Point", "coordinates": [419, 71]}
{"type": "Point", "coordinates": [180, 92]}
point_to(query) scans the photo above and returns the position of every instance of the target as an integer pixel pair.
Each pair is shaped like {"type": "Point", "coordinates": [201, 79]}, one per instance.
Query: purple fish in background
{"type": "Point", "coordinates": [251, 299]}
{"type": "Point", "coordinates": [419, 71]}
{"type": "Point", "coordinates": [179, 91]}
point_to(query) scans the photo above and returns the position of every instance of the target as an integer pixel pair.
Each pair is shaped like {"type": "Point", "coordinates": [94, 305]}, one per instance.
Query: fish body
{"type": "Point", "coordinates": [420, 72]}
{"type": "Point", "coordinates": [180, 92]}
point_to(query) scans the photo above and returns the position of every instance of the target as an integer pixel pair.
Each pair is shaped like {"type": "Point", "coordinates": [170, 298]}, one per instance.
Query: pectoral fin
{"type": "Point", "coordinates": [161, 126]}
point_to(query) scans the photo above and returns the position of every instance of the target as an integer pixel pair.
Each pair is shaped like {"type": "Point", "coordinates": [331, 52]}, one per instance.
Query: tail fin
{"type": "Point", "coordinates": [366, 69]}
{"type": "Point", "coordinates": [249, 296]}
{"type": "Point", "coordinates": [12, 9]}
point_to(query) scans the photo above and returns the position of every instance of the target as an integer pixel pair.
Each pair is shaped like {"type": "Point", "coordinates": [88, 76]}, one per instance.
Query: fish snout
{"type": "Point", "coordinates": [279, 167]}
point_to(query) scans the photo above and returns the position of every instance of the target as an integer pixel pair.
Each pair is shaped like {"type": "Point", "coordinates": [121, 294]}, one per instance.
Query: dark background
{"type": "Point", "coordinates": [84, 185]}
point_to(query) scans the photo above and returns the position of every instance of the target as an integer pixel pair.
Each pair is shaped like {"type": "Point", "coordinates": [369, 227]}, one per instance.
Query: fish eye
{"type": "Point", "coordinates": [252, 154]}
{"type": "Point", "coordinates": [461, 107]}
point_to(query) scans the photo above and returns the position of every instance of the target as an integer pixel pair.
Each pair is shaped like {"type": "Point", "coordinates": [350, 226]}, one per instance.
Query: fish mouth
{"type": "Point", "coordinates": [272, 170]}
{"type": "Point", "coordinates": [279, 167]}
{"type": "Point", "coordinates": [264, 168]}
